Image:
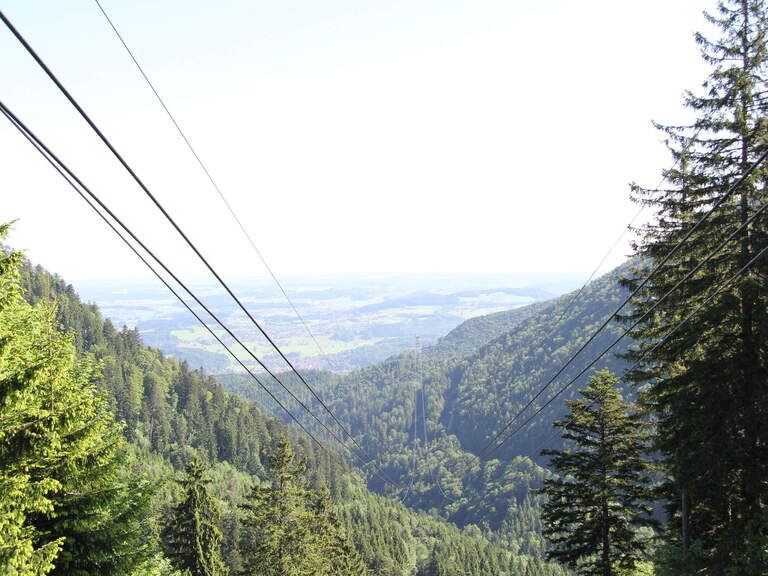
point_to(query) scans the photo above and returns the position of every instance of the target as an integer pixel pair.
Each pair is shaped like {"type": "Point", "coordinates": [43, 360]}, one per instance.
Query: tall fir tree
{"type": "Point", "coordinates": [708, 383]}
{"type": "Point", "coordinates": [277, 523]}
{"type": "Point", "coordinates": [192, 539]}
{"type": "Point", "coordinates": [68, 506]}
{"type": "Point", "coordinates": [290, 530]}
{"type": "Point", "coordinates": [341, 557]}
{"type": "Point", "coordinates": [598, 499]}
{"type": "Point", "coordinates": [23, 432]}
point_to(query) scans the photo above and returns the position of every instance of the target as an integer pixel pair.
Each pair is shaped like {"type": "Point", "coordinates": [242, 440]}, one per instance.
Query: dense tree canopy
{"type": "Point", "coordinates": [290, 530]}
{"type": "Point", "coordinates": [192, 539]}
{"type": "Point", "coordinates": [69, 504]}
{"type": "Point", "coordinates": [171, 413]}
{"type": "Point", "coordinates": [709, 380]}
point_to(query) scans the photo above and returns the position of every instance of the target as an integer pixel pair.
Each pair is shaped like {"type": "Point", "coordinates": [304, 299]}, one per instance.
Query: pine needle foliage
{"type": "Point", "coordinates": [708, 383]}
{"type": "Point", "coordinates": [598, 499]}
{"type": "Point", "coordinates": [67, 505]}
{"type": "Point", "coordinates": [193, 539]}
{"type": "Point", "coordinates": [291, 530]}
{"type": "Point", "coordinates": [23, 435]}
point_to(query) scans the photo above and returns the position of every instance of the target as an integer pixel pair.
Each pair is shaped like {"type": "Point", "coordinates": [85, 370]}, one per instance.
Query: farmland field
{"type": "Point", "coordinates": [354, 322]}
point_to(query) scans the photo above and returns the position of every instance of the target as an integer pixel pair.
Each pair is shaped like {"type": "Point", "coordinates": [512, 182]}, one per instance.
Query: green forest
{"type": "Point", "coordinates": [148, 420]}
{"type": "Point", "coordinates": [501, 450]}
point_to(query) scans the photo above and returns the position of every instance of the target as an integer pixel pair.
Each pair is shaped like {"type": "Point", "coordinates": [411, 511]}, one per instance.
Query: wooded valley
{"type": "Point", "coordinates": [617, 430]}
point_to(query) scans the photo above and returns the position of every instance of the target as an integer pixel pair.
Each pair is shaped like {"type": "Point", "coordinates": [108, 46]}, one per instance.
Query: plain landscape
{"type": "Point", "coordinates": [352, 322]}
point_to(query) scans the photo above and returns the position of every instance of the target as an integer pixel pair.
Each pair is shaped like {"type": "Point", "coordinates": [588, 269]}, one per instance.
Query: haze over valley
{"type": "Point", "coordinates": [355, 321]}
{"type": "Point", "coordinates": [388, 288]}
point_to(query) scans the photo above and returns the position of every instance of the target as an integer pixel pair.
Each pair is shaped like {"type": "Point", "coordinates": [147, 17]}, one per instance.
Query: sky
{"type": "Point", "coordinates": [352, 138]}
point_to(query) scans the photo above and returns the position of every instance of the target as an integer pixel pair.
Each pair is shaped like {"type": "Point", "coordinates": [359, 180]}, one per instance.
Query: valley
{"type": "Point", "coordinates": [426, 386]}
{"type": "Point", "coordinates": [355, 322]}
{"type": "Point", "coordinates": [471, 379]}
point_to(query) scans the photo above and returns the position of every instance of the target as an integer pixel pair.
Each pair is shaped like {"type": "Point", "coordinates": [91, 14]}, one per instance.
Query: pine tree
{"type": "Point", "coordinates": [290, 530]}
{"type": "Point", "coordinates": [66, 504]}
{"type": "Point", "coordinates": [22, 433]}
{"type": "Point", "coordinates": [598, 499]}
{"type": "Point", "coordinates": [341, 557]}
{"type": "Point", "coordinates": [709, 381]}
{"type": "Point", "coordinates": [192, 539]}
{"type": "Point", "coordinates": [101, 510]}
{"type": "Point", "coordinates": [278, 524]}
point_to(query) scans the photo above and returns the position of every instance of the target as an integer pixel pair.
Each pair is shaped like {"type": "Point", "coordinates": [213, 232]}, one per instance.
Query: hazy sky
{"type": "Point", "coordinates": [351, 136]}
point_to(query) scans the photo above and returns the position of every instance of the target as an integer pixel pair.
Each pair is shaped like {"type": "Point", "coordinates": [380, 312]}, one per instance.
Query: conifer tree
{"type": "Point", "coordinates": [598, 499]}
{"type": "Point", "coordinates": [102, 508]}
{"type": "Point", "coordinates": [709, 381]}
{"type": "Point", "coordinates": [290, 530]}
{"type": "Point", "coordinates": [277, 523]}
{"type": "Point", "coordinates": [341, 557]}
{"type": "Point", "coordinates": [22, 434]}
{"type": "Point", "coordinates": [65, 504]}
{"type": "Point", "coordinates": [192, 539]}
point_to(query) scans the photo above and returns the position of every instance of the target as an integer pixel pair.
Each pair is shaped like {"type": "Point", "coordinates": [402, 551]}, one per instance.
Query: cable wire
{"type": "Point", "coordinates": [17, 122]}
{"type": "Point", "coordinates": [219, 192]}
{"type": "Point", "coordinates": [623, 233]}
{"type": "Point", "coordinates": [69, 179]}
{"type": "Point", "coordinates": [210, 177]}
{"type": "Point", "coordinates": [697, 310]}
{"type": "Point", "coordinates": [432, 476]}
{"type": "Point", "coordinates": [174, 224]}
{"type": "Point", "coordinates": [557, 323]}
{"type": "Point", "coordinates": [637, 289]}
{"type": "Point", "coordinates": [685, 278]}
{"type": "Point", "coordinates": [415, 462]}
{"type": "Point", "coordinates": [666, 337]}
{"type": "Point", "coordinates": [578, 294]}
{"type": "Point", "coordinates": [573, 300]}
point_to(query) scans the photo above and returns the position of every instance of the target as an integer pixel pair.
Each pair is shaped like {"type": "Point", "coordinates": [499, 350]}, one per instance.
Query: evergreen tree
{"type": "Point", "coordinates": [708, 383]}
{"type": "Point", "coordinates": [67, 505]}
{"type": "Point", "coordinates": [102, 508]}
{"type": "Point", "coordinates": [192, 539]}
{"type": "Point", "coordinates": [291, 530]}
{"type": "Point", "coordinates": [278, 524]}
{"type": "Point", "coordinates": [23, 433]}
{"type": "Point", "coordinates": [598, 499]}
{"type": "Point", "coordinates": [341, 557]}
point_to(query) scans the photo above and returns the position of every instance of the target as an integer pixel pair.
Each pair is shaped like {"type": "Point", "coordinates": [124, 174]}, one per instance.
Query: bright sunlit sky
{"type": "Point", "coordinates": [352, 137]}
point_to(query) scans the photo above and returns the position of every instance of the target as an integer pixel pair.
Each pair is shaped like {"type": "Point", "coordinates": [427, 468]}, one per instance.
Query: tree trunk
{"type": "Point", "coordinates": [606, 561]}
{"type": "Point", "coordinates": [685, 513]}
{"type": "Point", "coordinates": [750, 360]}
{"type": "Point", "coordinates": [607, 570]}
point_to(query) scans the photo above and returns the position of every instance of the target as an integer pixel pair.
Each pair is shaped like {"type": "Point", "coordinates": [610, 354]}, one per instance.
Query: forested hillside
{"type": "Point", "coordinates": [172, 413]}
{"type": "Point", "coordinates": [468, 397]}
{"type": "Point", "coordinates": [493, 383]}
{"type": "Point", "coordinates": [470, 335]}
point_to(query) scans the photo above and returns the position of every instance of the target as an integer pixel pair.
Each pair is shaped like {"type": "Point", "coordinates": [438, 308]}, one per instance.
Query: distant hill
{"type": "Point", "coordinates": [357, 322]}
{"type": "Point", "coordinates": [470, 335]}
{"type": "Point", "coordinates": [524, 295]}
